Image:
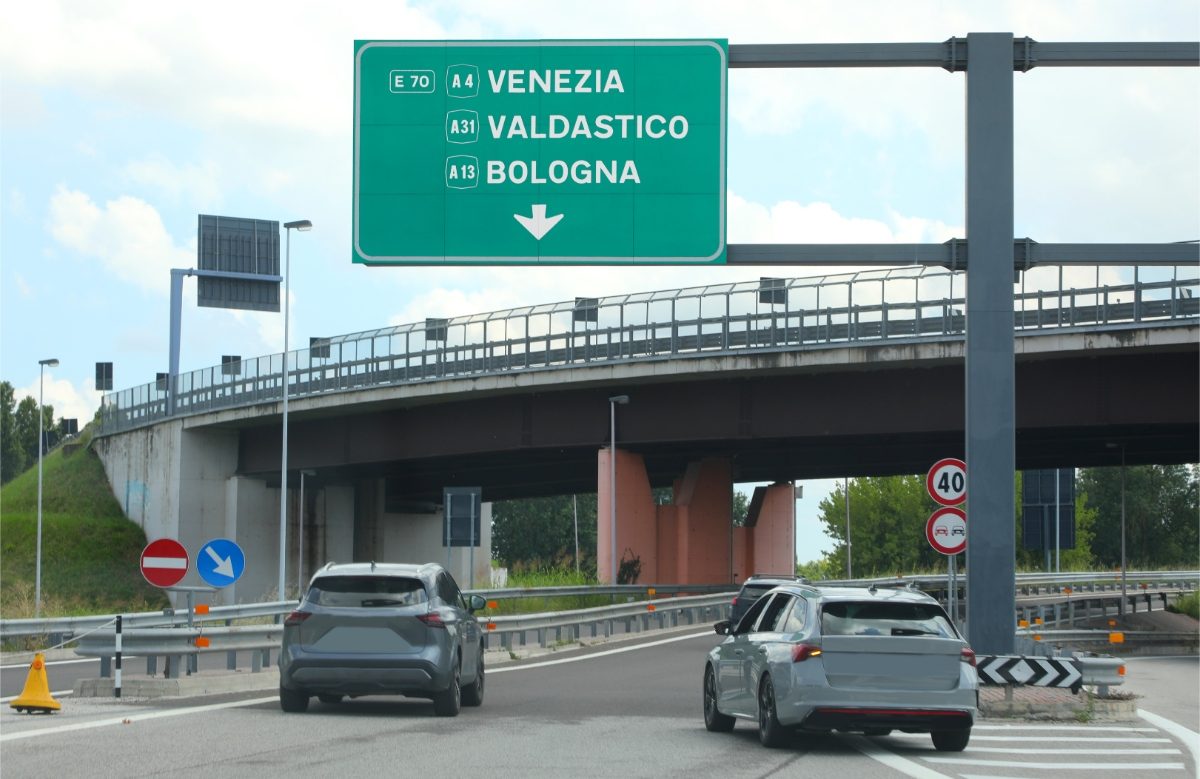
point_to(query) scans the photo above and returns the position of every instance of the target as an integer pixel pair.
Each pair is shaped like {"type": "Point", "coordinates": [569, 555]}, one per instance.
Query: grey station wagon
{"type": "Point", "coordinates": [848, 659]}
{"type": "Point", "coordinates": [383, 629]}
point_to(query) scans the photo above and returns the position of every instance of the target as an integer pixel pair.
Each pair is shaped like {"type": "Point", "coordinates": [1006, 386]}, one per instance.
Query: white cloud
{"type": "Point", "coordinates": [127, 236]}
{"type": "Point", "coordinates": [69, 401]}
{"type": "Point", "coordinates": [22, 285]}
{"type": "Point", "coordinates": [191, 183]}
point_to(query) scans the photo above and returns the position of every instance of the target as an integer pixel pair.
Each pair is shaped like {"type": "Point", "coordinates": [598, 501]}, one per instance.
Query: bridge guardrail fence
{"type": "Point", "coordinates": [770, 314]}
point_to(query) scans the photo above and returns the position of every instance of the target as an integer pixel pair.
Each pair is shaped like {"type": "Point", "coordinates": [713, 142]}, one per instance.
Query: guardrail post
{"type": "Point", "coordinates": [105, 667]}
{"type": "Point", "coordinates": [151, 665]}
{"type": "Point", "coordinates": [231, 657]}
{"type": "Point", "coordinates": [170, 666]}
{"type": "Point", "coordinates": [541, 634]}
{"type": "Point", "coordinates": [255, 662]}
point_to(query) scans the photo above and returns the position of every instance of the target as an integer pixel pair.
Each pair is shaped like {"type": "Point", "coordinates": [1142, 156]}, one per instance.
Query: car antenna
{"type": "Point", "coordinates": [372, 566]}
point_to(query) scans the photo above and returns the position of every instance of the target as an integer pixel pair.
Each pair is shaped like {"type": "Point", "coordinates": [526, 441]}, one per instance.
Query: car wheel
{"type": "Point", "coordinates": [770, 732]}
{"type": "Point", "coordinates": [293, 701]}
{"type": "Point", "coordinates": [950, 740]}
{"type": "Point", "coordinates": [448, 702]}
{"type": "Point", "coordinates": [472, 694]}
{"type": "Point", "coordinates": [714, 720]}
{"type": "Point", "coordinates": [330, 698]}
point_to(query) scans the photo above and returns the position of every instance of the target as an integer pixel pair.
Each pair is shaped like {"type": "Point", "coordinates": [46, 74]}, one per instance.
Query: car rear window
{"type": "Point", "coordinates": [369, 591]}
{"type": "Point", "coordinates": [753, 592]}
{"type": "Point", "coordinates": [872, 618]}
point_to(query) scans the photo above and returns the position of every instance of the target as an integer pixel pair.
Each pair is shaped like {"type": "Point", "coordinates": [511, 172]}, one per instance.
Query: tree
{"type": "Point", "coordinates": [887, 526]}
{"type": "Point", "coordinates": [12, 457]}
{"type": "Point", "coordinates": [1161, 509]}
{"type": "Point", "coordinates": [542, 530]}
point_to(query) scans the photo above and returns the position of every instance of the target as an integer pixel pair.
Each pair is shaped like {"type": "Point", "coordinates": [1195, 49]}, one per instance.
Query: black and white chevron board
{"type": "Point", "coordinates": [1034, 671]}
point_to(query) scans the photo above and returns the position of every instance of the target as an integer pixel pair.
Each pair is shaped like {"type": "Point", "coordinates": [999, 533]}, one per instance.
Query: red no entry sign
{"type": "Point", "coordinates": [164, 562]}
{"type": "Point", "coordinates": [946, 530]}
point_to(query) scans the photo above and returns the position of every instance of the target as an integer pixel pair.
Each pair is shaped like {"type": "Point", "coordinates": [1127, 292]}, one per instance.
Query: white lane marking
{"type": "Point", "coordinates": [1030, 751]}
{"type": "Point", "coordinates": [53, 694]}
{"type": "Point", "coordinates": [892, 760]}
{"type": "Point", "coordinates": [1041, 739]}
{"type": "Point", "coordinates": [990, 776]}
{"type": "Point", "coordinates": [1095, 728]}
{"type": "Point", "coordinates": [594, 655]}
{"type": "Point", "coordinates": [1060, 766]}
{"type": "Point", "coordinates": [133, 717]}
{"type": "Point", "coordinates": [1189, 738]}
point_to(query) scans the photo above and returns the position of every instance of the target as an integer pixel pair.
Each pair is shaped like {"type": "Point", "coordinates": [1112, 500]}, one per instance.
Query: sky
{"type": "Point", "coordinates": [121, 121]}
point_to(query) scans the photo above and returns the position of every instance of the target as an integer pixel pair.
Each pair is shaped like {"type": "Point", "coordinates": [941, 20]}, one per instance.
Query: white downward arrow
{"type": "Point", "coordinates": [538, 225]}
{"type": "Point", "coordinates": [224, 564]}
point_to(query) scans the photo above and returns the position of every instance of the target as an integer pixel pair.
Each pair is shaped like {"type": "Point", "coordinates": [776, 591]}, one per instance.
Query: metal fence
{"type": "Point", "coordinates": [769, 314]}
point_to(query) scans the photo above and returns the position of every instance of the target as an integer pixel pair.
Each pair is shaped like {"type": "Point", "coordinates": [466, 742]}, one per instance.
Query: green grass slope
{"type": "Point", "coordinates": [90, 551]}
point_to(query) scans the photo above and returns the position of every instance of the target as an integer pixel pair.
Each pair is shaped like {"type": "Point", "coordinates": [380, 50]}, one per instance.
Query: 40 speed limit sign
{"type": "Point", "coordinates": [947, 481]}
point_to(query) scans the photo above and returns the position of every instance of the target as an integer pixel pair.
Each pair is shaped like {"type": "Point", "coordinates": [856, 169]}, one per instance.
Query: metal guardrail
{"type": "Point", "coordinates": [769, 314]}
{"type": "Point", "coordinates": [65, 627]}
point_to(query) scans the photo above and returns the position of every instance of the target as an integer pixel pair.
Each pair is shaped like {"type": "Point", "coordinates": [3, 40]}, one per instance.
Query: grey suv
{"type": "Point", "coordinates": [383, 629]}
{"type": "Point", "coordinates": [755, 586]}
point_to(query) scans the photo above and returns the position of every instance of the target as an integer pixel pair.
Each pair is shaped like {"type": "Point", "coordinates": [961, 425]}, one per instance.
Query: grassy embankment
{"type": "Point", "coordinates": [90, 551]}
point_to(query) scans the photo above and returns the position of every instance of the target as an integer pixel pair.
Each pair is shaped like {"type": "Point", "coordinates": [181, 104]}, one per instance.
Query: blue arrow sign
{"type": "Point", "coordinates": [220, 562]}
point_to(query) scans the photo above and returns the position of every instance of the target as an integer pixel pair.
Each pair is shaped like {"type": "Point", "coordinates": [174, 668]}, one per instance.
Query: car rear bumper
{"type": "Point", "coordinates": [417, 676]}
{"type": "Point", "coordinates": [825, 718]}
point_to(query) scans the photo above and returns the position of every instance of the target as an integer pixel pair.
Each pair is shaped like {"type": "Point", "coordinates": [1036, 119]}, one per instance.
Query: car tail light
{"type": "Point", "coordinates": [801, 652]}
{"type": "Point", "coordinates": [968, 656]}
{"type": "Point", "coordinates": [432, 619]}
{"type": "Point", "coordinates": [296, 617]}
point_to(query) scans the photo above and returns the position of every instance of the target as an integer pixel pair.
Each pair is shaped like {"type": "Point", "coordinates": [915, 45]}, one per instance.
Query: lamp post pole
{"type": "Point", "coordinates": [612, 478]}
{"type": "Point", "coordinates": [1124, 590]}
{"type": "Point", "coordinates": [37, 587]}
{"type": "Point", "coordinates": [303, 225]}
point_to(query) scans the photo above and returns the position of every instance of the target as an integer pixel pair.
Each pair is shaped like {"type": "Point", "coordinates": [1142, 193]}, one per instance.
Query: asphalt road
{"type": "Point", "coordinates": [627, 711]}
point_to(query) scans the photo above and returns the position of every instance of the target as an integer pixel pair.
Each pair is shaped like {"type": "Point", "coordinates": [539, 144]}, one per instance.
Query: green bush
{"type": "Point", "coordinates": [1188, 604]}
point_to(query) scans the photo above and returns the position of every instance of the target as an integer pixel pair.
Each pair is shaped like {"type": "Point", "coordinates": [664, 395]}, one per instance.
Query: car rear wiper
{"type": "Point", "coordinates": [382, 602]}
{"type": "Point", "coordinates": [913, 632]}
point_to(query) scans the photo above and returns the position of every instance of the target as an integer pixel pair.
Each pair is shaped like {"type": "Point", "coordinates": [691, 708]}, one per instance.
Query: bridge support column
{"type": "Point", "coordinates": [637, 539]}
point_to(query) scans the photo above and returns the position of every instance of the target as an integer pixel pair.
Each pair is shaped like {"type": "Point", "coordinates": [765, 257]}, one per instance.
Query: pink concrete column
{"type": "Point", "coordinates": [637, 534]}
{"type": "Point", "coordinates": [773, 537]}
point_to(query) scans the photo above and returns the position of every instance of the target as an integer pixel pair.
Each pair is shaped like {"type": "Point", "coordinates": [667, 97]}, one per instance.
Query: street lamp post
{"type": "Point", "coordinates": [612, 477]}
{"type": "Point", "coordinates": [302, 225]}
{"type": "Point", "coordinates": [37, 587]}
{"type": "Point", "coordinates": [300, 536]}
{"type": "Point", "coordinates": [1124, 590]}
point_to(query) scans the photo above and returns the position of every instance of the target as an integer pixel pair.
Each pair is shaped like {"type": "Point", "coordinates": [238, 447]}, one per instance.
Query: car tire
{"type": "Point", "coordinates": [330, 698]}
{"type": "Point", "coordinates": [770, 733]}
{"type": "Point", "coordinates": [448, 702]}
{"type": "Point", "coordinates": [950, 740]}
{"type": "Point", "coordinates": [472, 694]}
{"type": "Point", "coordinates": [293, 701]}
{"type": "Point", "coordinates": [714, 720]}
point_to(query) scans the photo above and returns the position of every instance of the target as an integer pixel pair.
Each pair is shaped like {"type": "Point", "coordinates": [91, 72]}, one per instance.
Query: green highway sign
{"type": "Point", "coordinates": [539, 152]}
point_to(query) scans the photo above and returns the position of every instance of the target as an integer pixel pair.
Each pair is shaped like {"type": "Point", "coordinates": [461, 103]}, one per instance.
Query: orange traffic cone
{"type": "Point", "coordinates": [36, 695]}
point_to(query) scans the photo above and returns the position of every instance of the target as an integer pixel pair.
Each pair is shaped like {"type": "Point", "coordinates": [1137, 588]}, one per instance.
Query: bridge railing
{"type": "Point", "coordinates": [768, 314]}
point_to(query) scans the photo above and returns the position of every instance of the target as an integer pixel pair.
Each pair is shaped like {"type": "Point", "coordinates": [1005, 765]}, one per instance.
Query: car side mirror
{"type": "Point", "coordinates": [476, 603]}
{"type": "Point", "coordinates": [722, 628]}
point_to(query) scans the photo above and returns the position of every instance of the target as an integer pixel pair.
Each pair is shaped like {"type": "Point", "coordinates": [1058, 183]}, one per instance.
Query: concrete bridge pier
{"type": "Point", "coordinates": [691, 540]}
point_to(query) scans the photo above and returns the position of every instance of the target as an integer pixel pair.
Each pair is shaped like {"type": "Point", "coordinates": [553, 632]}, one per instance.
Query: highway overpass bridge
{"type": "Point", "coordinates": [766, 381]}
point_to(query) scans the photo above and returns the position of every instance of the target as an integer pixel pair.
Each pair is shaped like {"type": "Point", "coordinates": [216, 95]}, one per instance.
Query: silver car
{"type": "Point", "coordinates": [820, 659]}
{"type": "Point", "coordinates": [383, 629]}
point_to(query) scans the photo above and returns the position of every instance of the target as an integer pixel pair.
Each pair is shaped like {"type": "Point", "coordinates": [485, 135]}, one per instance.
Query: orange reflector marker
{"type": "Point", "coordinates": [1022, 623]}
{"type": "Point", "coordinates": [650, 607]}
{"type": "Point", "coordinates": [651, 592]}
{"type": "Point", "coordinates": [1037, 620]}
{"type": "Point", "coordinates": [202, 642]}
{"type": "Point", "coordinates": [201, 608]}
{"type": "Point", "coordinates": [491, 626]}
{"type": "Point", "coordinates": [1037, 637]}
{"type": "Point", "coordinates": [1116, 638]}
{"type": "Point", "coordinates": [1067, 590]}
{"type": "Point", "coordinates": [1112, 623]}
{"type": "Point", "coordinates": [1121, 671]}
{"type": "Point", "coordinates": [492, 604]}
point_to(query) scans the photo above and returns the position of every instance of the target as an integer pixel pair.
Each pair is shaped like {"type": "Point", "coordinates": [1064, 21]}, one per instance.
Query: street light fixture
{"type": "Point", "coordinates": [1124, 588]}
{"type": "Point", "coordinates": [37, 587]}
{"type": "Point", "coordinates": [302, 225]}
{"type": "Point", "coordinates": [612, 477]}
